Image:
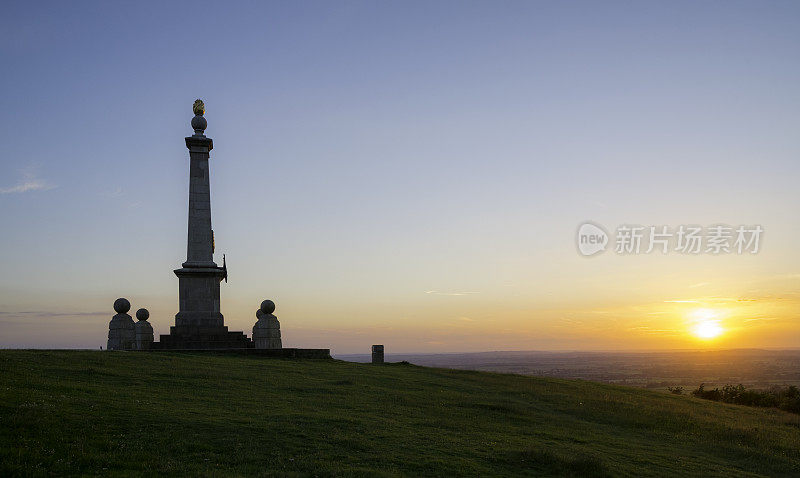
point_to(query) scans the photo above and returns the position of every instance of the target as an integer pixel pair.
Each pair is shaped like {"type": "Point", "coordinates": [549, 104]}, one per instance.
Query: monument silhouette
{"type": "Point", "coordinates": [199, 324]}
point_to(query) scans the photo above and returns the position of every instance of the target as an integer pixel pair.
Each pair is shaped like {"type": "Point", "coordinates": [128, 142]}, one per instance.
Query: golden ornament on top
{"type": "Point", "coordinates": [199, 108]}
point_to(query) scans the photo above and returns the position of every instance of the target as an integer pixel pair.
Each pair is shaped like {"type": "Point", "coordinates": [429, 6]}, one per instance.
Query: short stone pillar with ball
{"type": "Point", "coordinates": [267, 331]}
{"type": "Point", "coordinates": [144, 331]}
{"type": "Point", "coordinates": [121, 329]}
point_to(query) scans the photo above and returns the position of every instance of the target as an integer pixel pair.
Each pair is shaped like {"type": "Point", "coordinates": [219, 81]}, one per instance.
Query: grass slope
{"type": "Point", "coordinates": [71, 412]}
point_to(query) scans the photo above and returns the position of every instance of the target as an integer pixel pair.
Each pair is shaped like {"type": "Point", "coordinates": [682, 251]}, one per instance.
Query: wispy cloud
{"type": "Point", "coordinates": [760, 318]}
{"type": "Point", "coordinates": [648, 330]}
{"type": "Point", "coordinates": [113, 193]}
{"type": "Point", "coordinates": [717, 300]}
{"type": "Point", "coordinates": [44, 314]}
{"type": "Point", "coordinates": [28, 182]}
{"type": "Point", "coordinates": [436, 292]}
{"type": "Point", "coordinates": [699, 284]}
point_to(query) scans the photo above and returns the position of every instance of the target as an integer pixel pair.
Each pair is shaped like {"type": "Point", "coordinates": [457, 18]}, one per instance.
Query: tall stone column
{"type": "Point", "coordinates": [199, 323]}
{"type": "Point", "coordinates": [199, 277]}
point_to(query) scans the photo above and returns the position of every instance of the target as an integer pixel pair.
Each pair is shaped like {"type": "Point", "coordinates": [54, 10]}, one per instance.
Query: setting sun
{"type": "Point", "coordinates": [706, 323]}
{"type": "Point", "coordinates": [708, 330]}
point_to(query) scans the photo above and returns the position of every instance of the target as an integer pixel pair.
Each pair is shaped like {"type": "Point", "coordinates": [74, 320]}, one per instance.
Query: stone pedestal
{"type": "Point", "coordinates": [144, 331]}
{"type": "Point", "coordinates": [198, 292]}
{"type": "Point", "coordinates": [267, 330]}
{"type": "Point", "coordinates": [121, 329]}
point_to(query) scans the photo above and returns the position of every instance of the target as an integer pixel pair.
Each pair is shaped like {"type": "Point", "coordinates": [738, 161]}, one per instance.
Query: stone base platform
{"type": "Point", "coordinates": [275, 353]}
{"type": "Point", "coordinates": [191, 337]}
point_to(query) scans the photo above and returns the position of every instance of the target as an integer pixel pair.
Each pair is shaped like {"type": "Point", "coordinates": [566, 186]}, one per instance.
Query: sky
{"type": "Point", "coordinates": [404, 173]}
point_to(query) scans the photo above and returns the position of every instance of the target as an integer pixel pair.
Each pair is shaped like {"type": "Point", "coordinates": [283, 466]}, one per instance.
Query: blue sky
{"type": "Point", "coordinates": [368, 153]}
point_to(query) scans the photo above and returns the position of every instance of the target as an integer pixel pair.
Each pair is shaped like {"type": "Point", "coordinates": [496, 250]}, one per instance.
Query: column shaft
{"type": "Point", "coordinates": [199, 248]}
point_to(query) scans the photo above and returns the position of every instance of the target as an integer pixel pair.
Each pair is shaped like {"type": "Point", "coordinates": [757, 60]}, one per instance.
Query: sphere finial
{"type": "Point", "coordinates": [122, 306]}
{"type": "Point", "coordinates": [267, 307]}
{"type": "Point", "coordinates": [142, 314]}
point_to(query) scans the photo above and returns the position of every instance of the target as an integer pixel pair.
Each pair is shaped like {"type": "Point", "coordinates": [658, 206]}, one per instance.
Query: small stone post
{"type": "Point", "coordinates": [144, 331]}
{"type": "Point", "coordinates": [377, 354]}
{"type": "Point", "coordinates": [121, 329]}
{"type": "Point", "coordinates": [267, 330]}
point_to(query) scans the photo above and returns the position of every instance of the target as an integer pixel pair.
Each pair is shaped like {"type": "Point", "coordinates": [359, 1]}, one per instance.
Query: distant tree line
{"type": "Point", "coordinates": [785, 398]}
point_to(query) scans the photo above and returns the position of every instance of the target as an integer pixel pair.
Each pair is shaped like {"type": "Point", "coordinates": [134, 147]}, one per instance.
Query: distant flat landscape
{"type": "Point", "coordinates": [751, 367]}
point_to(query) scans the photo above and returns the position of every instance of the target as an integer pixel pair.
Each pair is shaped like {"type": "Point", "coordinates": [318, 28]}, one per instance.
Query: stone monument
{"type": "Point", "coordinates": [144, 331]}
{"type": "Point", "coordinates": [199, 323]}
{"type": "Point", "coordinates": [267, 331]}
{"type": "Point", "coordinates": [121, 329]}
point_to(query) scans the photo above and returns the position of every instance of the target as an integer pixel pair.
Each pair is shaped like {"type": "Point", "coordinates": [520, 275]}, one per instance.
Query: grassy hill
{"type": "Point", "coordinates": [116, 413]}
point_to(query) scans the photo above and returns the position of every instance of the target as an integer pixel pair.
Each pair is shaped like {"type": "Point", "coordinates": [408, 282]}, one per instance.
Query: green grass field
{"type": "Point", "coordinates": [117, 413]}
